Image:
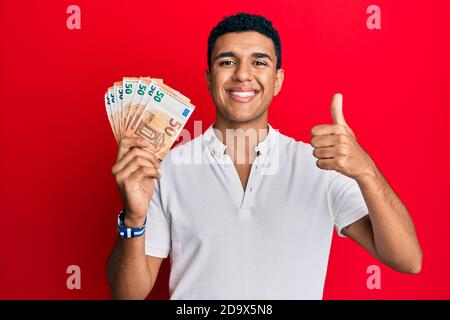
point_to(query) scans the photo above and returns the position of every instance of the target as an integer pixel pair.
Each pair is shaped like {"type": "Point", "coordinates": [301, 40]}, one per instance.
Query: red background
{"type": "Point", "coordinates": [58, 197]}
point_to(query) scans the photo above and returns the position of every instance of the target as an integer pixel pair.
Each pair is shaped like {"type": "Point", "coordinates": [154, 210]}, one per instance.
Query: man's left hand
{"type": "Point", "coordinates": [336, 148]}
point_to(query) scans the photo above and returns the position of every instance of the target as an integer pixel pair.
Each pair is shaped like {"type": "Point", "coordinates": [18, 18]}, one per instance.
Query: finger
{"type": "Point", "coordinates": [325, 153]}
{"type": "Point", "coordinates": [129, 142]}
{"type": "Point", "coordinates": [145, 172]}
{"type": "Point", "coordinates": [336, 110]}
{"type": "Point", "coordinates": [323, 141]}
{"type": "Point", "coordinates": [323, 129]}
{"type": "Point", "coordinates": [325, 164]}
{"type": "Point", "coordinates": [132, 166]}
{"type": "Point", "coordinates": [133, 153]}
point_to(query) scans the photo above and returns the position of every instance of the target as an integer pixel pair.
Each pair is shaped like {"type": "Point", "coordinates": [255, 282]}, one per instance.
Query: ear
{"type": "Point", "coordinates": [208, 79]}
{"type": "Point", "coordinates": [279, 77]}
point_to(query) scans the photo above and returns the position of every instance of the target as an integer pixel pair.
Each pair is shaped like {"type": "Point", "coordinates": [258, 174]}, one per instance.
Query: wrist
{"type": "Point", "coordinates": [134, 221]}
{"type": "Point", "coordinates": [128, 229]}
{"type": "Point", "coordinates": [371, 180]}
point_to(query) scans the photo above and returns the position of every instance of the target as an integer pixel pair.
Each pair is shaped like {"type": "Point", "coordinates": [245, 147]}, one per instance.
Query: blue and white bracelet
{"type": "Point", "coordinates": [126, 232]}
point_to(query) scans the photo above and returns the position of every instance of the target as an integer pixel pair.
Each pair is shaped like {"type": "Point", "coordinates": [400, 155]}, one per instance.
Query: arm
{"type": "Point", "coordinates": [132, 274]}
{"type": "Point", "coordinates": [388, 232]}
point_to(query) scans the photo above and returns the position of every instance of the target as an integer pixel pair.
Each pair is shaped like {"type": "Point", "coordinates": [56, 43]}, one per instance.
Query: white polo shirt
{"type": "Point", "coordinates": [270, 242]}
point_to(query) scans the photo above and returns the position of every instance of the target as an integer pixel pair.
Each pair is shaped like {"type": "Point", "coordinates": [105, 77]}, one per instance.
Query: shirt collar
{"type": "Point", "coordinates": [217, 148]}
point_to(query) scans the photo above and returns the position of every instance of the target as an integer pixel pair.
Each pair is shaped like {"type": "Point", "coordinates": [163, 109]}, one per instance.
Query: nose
{"type": "Point", "coordinates": [243, 72]}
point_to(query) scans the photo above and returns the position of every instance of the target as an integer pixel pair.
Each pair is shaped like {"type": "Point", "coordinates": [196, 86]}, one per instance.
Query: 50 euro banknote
{"type": "Point", "coordinates": [149, 109]}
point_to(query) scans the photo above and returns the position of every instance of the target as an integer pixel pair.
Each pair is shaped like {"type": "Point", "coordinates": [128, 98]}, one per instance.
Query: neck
{"type": "Point", "coordinates": [241, 138]}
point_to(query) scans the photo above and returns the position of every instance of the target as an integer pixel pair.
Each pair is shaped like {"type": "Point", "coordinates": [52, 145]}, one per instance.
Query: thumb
{"type": "Point", "coordinates": [336, 110]}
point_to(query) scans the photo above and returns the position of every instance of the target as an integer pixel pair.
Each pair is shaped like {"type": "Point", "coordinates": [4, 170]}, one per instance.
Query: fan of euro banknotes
{"type": "Point", "coordinates": [146, 107]}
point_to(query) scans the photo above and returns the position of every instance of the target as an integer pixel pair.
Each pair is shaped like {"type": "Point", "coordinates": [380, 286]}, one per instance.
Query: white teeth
{"type": "Point", "coordinates": [243, 94]}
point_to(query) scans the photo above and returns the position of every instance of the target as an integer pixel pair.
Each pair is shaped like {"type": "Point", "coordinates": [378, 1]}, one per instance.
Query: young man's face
{"type": "Point", "coordinates": [243, 77]}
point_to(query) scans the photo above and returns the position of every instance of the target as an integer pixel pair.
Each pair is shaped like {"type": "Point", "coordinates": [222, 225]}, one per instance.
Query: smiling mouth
{"type": "Point", "coordinates": [242, 95]}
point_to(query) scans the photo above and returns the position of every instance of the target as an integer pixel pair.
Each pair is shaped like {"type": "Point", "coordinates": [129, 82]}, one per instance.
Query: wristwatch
{"type": "Point", "coordinates": [126, 232]}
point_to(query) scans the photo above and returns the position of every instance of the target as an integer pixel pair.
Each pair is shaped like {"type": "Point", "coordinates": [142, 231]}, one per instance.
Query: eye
{"type": "Point", "coordinates": [226, 63]}
{"type": "Point", "coordinates": [260, 63]}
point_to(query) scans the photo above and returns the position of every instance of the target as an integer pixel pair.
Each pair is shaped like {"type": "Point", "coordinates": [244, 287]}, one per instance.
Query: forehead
{"type": "Point", "coordinates": [244, 42]}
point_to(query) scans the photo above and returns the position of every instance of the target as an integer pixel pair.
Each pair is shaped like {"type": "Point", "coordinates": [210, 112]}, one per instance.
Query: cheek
{"type": "Point", "coordinates": [267, 82]}
{"type": "Point", "coordinates": [217, 85]}
{"type": "Point", "coordinates": [219, 78]}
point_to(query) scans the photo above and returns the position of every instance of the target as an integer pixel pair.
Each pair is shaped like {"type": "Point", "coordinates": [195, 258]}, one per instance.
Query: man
{"type": "Point", "coordinates": [253, 222]}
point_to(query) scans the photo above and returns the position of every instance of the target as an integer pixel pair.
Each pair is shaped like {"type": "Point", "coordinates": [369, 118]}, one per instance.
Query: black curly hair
{"type": "Point", "coordinates": [245, 22]}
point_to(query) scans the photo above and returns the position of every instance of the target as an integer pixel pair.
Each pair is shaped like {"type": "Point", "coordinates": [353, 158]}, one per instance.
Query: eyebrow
{"type": "Point", "coordinates": [232, 55]}
{"type": "Point", "coordinates": [261, 55]}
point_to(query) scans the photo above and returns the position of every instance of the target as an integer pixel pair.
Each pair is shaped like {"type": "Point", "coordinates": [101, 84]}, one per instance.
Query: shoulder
{"type": "Point", "coordinates": [183, 154]}
{"type": "Point", "coordinates": [296, 160]}
{"type": "Point", "coordinates": [300, 155]}
{"type": "Point", "coordinates": [296, 150]}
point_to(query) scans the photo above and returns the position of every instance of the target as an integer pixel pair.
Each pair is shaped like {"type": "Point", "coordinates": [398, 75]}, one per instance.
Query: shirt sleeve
{"type": "Point", "coordinates": [345, 200]}
{"type": "Point", "coordinates": [157, 229]}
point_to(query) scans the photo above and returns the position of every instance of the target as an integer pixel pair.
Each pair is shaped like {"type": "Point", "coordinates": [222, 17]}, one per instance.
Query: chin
{"type": "Point", "coordinates": [242, 117]}
{"type": "Point", "coordinates": [240, 112]}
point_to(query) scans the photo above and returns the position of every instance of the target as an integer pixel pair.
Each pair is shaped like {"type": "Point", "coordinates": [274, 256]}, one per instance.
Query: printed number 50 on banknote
{"type": "Point", "coordinates": [163, 118]}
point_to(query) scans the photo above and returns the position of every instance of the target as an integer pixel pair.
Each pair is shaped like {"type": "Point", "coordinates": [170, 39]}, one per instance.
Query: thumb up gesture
{"type": "Point", "coordinates": [336, 148]}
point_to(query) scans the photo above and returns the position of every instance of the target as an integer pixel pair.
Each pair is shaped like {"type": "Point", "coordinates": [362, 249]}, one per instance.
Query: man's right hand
{"type": "Point", "coordinates": [135, 171]}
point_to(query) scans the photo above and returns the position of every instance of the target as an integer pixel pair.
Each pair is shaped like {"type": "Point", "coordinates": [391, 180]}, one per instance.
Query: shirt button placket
{"type": "Point", "coordinates": [245, 212]}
